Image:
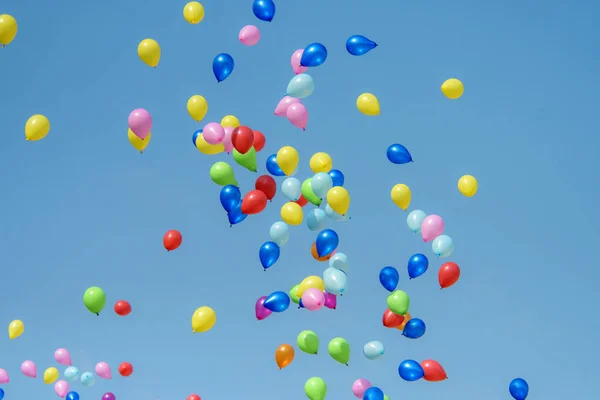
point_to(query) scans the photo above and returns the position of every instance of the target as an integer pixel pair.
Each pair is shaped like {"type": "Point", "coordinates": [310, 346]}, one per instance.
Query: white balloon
{"type": "Point", "coordinates": [292, 188]}
{"type": "Point", "coordinates": [373, 350]}
{"type": "Point", "coordinates": [415, 219]}
{"type": "Point", "coordinates": [335, 281]}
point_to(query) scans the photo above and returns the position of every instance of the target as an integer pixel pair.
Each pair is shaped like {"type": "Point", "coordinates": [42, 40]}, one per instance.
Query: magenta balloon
{"type": "Point", "coordinates": [140, 122]}
{"type": "Point", "coordinates": [260, 310]}
{"type": "Point", "coordinates": [108, 396]}
{"type": "Point", "coordinates": [432, 227]}
{"type": "Point", "coordinates": [313, 299]}
{"type": "Point", "coordinates": [360, 386]}
{"type": "Point", "coordinates": [330, 300]}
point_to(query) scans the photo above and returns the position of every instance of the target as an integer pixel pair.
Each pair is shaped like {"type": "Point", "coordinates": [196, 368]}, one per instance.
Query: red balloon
{"type": "Point", "coordinates": [193, 397]}
{"type": "Point", "coordinates": [242, 139]}
{"type": "Point", "coordinates": [434, 372]}
{"type": "Point", "coordinates": [122, 308]}
{"type": "Point", "coordinates": [301, 201]}
{"type": "Point", "coordinates": [125, 369]}
{"type": "Point", "coordinates": [391, 320]}
{"type": "Point", "coordinates": [267, 185]}
{"type": "Point", "coordinates": [254, 202]}
{"type": "Point", "coordinates": [172, 240]}
{"type": "Point", "coordinates": [259, 141]}
{"type": "Point", "coordinates": [448, 274]}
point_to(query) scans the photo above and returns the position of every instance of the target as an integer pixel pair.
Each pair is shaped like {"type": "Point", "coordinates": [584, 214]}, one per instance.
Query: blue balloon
{"type": "Point", "coordinates": [264, 10]}
{"type": "Point", "coordinates": [269, 254]}
{"type": "Point", "coordinates": [300, 305]}
{"type": "Point", "coordinates": [273, 167]}
{"type": "Point", "coordinates": [230, 196]}
{"type": "Point", "coordinates": [336, 177]}
{"type": "Point", "coordinates": [373, 393]}
{"type": "Point", "coordinates": [410, 370]}
{"type": "Point", "coordinates": [389, 278]}
{"type": "Point", "coordinates": [1, 393]}
{"type": "Point", "coordinates": [236, 215]}
{"type": "Point", "coordinates": [398, 154]}
{"type": "Point", "coordinates": [222, 66]}
{"type": "Point", "coordinates": [314, 55]}
{"type": "Point", "coordinates": [359, 45]}
{"type": "Point", "coordinates": [414, 328]}
{"type": "Point", "coordinates": [327, 241]}
{"type": "Point", "coordinates": [72, 396]}
{"type": "Point", "coordinates": [195, 136]}
{"type": "Point", "coordinates": [519, 389]}
{"type": "Point", "coordinates": [277, 302]}
{"type": "Point", "coordinates": [417, 265]}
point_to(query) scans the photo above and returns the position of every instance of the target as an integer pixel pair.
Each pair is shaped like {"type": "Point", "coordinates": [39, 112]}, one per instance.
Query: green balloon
{"type": "Point", "coordinates": [385, 397]}
{"type": "Point", "coordinates": [247, 160]}
{"type": "Point", "coordinates": [94, 299]}
{"type": "Point", "coordinates": [308, 193]}
{"type": "Point", "coordinates": [308, 342]}
{"type": "Point", "coordinates": [315, 389]}
{"type": "Point", "coordinates": [398, 302]}
{"type": "Point", "coordinates": [339, 350]}
{"type": "Point", "coordinates": [293, 295]}
{"type": "Point", "coordinates": [221, 173]}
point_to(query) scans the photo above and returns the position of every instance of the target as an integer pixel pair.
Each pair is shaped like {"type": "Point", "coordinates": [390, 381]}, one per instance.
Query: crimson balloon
{"type": "Point", "coordinates": [267, 185]}
{"type": "Point", "coordinates": [448, 274]}
{"type": "Point", "coordinates": [254, 202]}
{"type": "Point", "coordinates": [301, 201]}
{"type": "Point", "coordinates": [259, 141]}
{"type": "Point", "coordinates": [125, 369]}
{"type": "Point", "coordinates": [193, 397]}
{"type": "Point", "coordinates": [434, 372]}
{"type": "Point", "coordinates": [122, 308]}
{"type": "Point", "coordinates": [242, 139]}
{"type": "Point", "coordinates": [391, 320]}
{"type": "Point", "coordinates": [172, 240]}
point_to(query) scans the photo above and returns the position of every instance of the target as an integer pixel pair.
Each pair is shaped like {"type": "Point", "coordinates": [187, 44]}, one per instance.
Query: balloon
{"type": "Point", "coordinates": [259, 140]}
{"type": "Point", "coordinates": [308, 342]}
{"type": "Point", "coordinates": [137, 143]}
{"type": "Point", "coordinates": [242, 139]}
{"type": "Point", "coordinates": [8, 30]}
{"type": "Point", "coordinates": [122, 308]}
{"type": "Point", "coordinates": [61, 388]}
{"type": "Point", "coordinates": [359, 45]}
{"type": "Point", "coordinates": [197, 106]}
{"type": "Point", "coordinates": [277, 302]}
{"type": "Point", "coordinates": [222, 66]}
{"type": "Point", "coordinates": [36, 127]}
{"type": "Point", "coordinates": [401, 196]}
{"type": "Point", "coordinates": [202, 146]}
{"type": "Point", "coordinates": [410, 370]}
{"type": "Point", "coordinates": [417, 265]}
{"type": "Point", "coordinates": [29, 369]}
{"type": "Point", "coordinates": [310, 282]}
{"type": "Point", "coordinates": [203, 319]}
{"type": "Point", "coordinates": [373, 393]}
{"type": "Point", "coordinates": [434, 372]}
{"type": "Point", "coordinates": [313, 299]}
{"type": "Point", "coordinates": [360, 386]}
{"type": "Point", "coordinates": [249, 35]}
{"type": "Point", "coordinates": [193, 12]}
{"type": "Point", "coordinates": [260, 310]}
{"type": "Point", "coordinates": [103, 370]}
{"type": "Point", "coordinates": [335, 281]}
{"type": "Point", "coordinates": [287, 159]}
{"type": "Point", "coordinates": [16, 329]}
{"type": "Point", "coordinates": [334, 215]}
{"type": "Point", "coordinates": [337, 177]}
{"type": "Point", "coordinates": [415, 220]}
{"type": "Point", "coordinates": [125, 369]}
{"type": "Point", "coordinates": [313, 252]}
{"type": "Point", "coordinates": [316, 219]}
{"type": "Point", "coordinates": [149, 52]}
{"type": "Point", "coordinates": [72, 396]}
{"type": "Point", "coordinates": [398, 154]}
{"type": "Point", "coordinates": [297, 114]}
{"type": "Point", "coordinates": [291, 188]}
{"type": "Point", "coordinates": [291, 213]}
{"type": "Point", "coordinates": [448, 274]}
{"type": "Point", "coordinates": [50, 375]}
{"type": "Point", "coordinates": [391, 320]}
{"type": "Point", "coordinates": [373, 350]}
{"type": "Point", "coordinates": [300, 86]}
{"type": "Point", "coordinates": [295, 62]}
{"type": "Point", "coordinates": [467, 185]}
{"type": "Point", "coordinates": [368, 104]}
{"type": "Point", "coordinates": [284, 104]}
{"type": "Point", "coordinates": [284, 355]}
{"type": "Point", "coordinates": [235, 216]}
{"type": "Point", "coordinates": [313, 55]}
{"type": "Point", "coordinates": [315, 389]}
{"type": "Point", "coordinates": [264, 10]}
{"type": "Point", "coordinates": [301, 201]}
{"type": "Point", "coordinates": [327, 241]}
{"type": "Point", "coordinates": [193, 397]}
{"type": "Point", "coordinates": [230, 121]}
{"type": "Point", "coordinates": [140, 122]}
{"type": "Point", "coordinates": [221, 173]}
{"type": "Point", "coordinates": [108, 396]}
{"type": "Point", "coordinates": [320, 162]}
{"type": "Point", "coordinates": [432, 227]}
{"type": "Point", "coordinates": [339, 350]}
{"type": "Point", "coordinates": [339, 261]}
{"type": "Point", "coordinates": [4, 376]}
{"type": "Point", "coordinates": [308, 193]}
{"type": "Point", "coordinates": [453, 88]}
{"type": "Point", "coordinates": [292, 294]}
{"type": "Point", "coordinates": [94, 299]}
{"type": "Point", "coordinates": [273, 167]}
{"type": "Point", "coordinates": [519, 389]}
{"type": "Point", "coordinates": [254, 202]}
{"type": "Point", "coordinates": [230, 196]}
{"type": "Point", "coordinates": [87, 379]}
{"type": "Point", "coordinates": [330, 300]}
{"type": "Point", "coordinates": [320, 184]}
{"type": "Point", "coordinates": [71, 373]}
{"type": "Point", "coordinates": [63, 357]}
{"type": "Point", "coordinates": [172, 240]}
{"type": "Point", "coordinates": [389, 278]}
{"type": "Point", "coordinates": [338, 199]}
{"type": "Point", "coordinates": [443, 246]}
{"type": "Point", "coordinates": [226, 142]}
{"type": "Point", "coordinates": [414, 329]}
{"type": "Point", "coordinates": [269, 254]}
{"type": "Point", "coordinates": [213, 133]}
{"type": "Point", "coordinates": [280, 233]}
{"type": "Point", "coordinates": [407, 318]}
{"type": "Point", "coordinates": [398, 302]}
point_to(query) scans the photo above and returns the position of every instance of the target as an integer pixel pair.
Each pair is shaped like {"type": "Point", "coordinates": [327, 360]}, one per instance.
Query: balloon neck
{"type": "Point", "coordinates": [347, 365]}
{"type": "Point", "coordinates": [97, 314]}
{"type": "Point", "coordinates": [231, 225]}
{"type": "Point", "coordinates": [441, 287]}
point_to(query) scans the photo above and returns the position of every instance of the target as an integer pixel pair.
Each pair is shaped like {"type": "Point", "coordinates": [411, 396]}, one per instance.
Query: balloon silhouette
{"type": "Point", "coordinates": [389, 278]}
{"type": "Point", "coordinates": [277, 301]}
{"type": "Point", "coordinates": [519, 389]}
{"type": "Point", "coordinates": [327, 241]}
{"type": "Point", "coordinates": [269, 254]}
{"type": "Point", "coordinates": [414, 329]}
{"type": "Point", "coordinates": [222, 66]}
{"type": "Point", "coordinates": [410, 370]}
{"type": "Point", "coordinates": [314, 55]}
{"type": "Point", "coordinates": [230, 196]}
{"type": "Point", "coordinates": [398, 154]}
{"type": "Point", "coordinates": [417, 265]}
{"type": "Point", "coordinates": [359, 45]}
{"type": "Point", "coordinates": [264, 10]}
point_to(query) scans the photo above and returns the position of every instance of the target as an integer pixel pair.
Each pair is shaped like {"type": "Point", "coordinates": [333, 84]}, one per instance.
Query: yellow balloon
{"type": "Point", "coordinates": [16, 329]}
{"type": "Point", "coordinates": [401, 196]}
{"type": "Point", "coordinates": [50, 375]}
{"type": "Point", "coordinates": [368, 104]}
{"type": "Point", "coordinates": [8, 29]}
{"type": "Point", "coordinates": [203, 319]}
{"type": "Point", "coordinates": [291, 213]}
{"type": "Point", "coordinates": [36, 128]}
{"type": "Point", "coordinates": [467, 185]}
{"type": "Point", "coordinates": [193, 12]}
{"type": "Point", "coordinates": [206, 148]}
{"type": "Point", "coordinates": [287, 159]}
{"type": "Point", "coordinates": [310, 282]}
{"type": "Point", "coordinates": [338, 199]}
{"type": "Point", "coordinates": [197, 107]}
{"type": "Point", "coordinates": [320, 162]}
{"type": "Point", "coordinates": [453, 88]}
{"type": "Point", "coordinates": [149, 52]}
{"type": "Point", "coordinates": [136, 142]}
{"type": "Point", "coordinates": [230, 121]}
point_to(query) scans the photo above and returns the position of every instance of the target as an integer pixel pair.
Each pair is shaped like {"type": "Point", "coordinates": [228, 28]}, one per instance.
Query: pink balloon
{"type": "Point", "coordinates": [360, 386]}
{"type": "Point", "coordinates": [227, 139]}
{"type": "Point", "coordinates": [284, 104]}
{"type": "Point", "coordinates": [29, 369]}
{"type": "Point", "coordinates": [61, 388]}
{"type": "Point", "coordinates": [432, 227]}
{"type": "Point", "coordinates": [295, 62]}
{"type": "Point", "coordinates": [330, 300]}
{"type": "Point", "coordinates": [213, 133]}
{"type": "Point", "coordinates": [63, 357]}
{"type": "Point", "coordinates": [249, 35]}
{"type": "Point", "coordinates": [297, 114]}
{"type": "Point", "coordinates": [103, 370]}
{"type": "Point", "coordinates": [260, 310]}
{"type": "Point", "coordinates": [140, 122]}
{"type": "Point", "coordinates": [313, 299]}
{"type": "Point", "coordinates": [3, 376]}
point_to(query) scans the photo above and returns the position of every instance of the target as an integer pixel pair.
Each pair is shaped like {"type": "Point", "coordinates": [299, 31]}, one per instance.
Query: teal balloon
{"type": "Point", "coordinates": [415, 220]}
{"type": "Point", "coordinates": [292, 188]}
{"type": "Point", "coordinates": [301, 86]}
{"type": "Point", "coordinates": [373, 350]}
{"type": "Point", "coordinates": [443, 246]}
{"type": "Point", "coordinates": [339, 261]}
{"type": "Point", "coordinates": [280, 233]}
{"type": "Point", "coordinates": [335, 281]}
{"type": "Point", "coordinates": [71, 373]}
{"type": "Point", "coordinates": [316, 219]}
{"type": "Point", "coordinates": [87, 379]}
{"type": "Point", "coordinates": [321, 183]}
{"type": "Point", "coordinates": [334, 215]}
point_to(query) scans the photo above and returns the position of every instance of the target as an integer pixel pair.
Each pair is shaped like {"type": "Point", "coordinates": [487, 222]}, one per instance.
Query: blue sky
{"type": "Point", "coordinates": [83, 208]}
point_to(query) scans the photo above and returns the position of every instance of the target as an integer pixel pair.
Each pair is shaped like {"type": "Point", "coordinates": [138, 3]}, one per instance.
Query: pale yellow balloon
{"type": "Point", "coordinates": [50, 375]}
{"type": "Point", "coordinates": [368, 104]}
{"type": "Point", "coordinates": [197, 107]}
{"type": "Point", "coordinates": [320, 162]}
{"type": "Point", "coordinates": [468, 185]}
{"type": "Point", "coordinates": [230, 121]}
{"type": "Point", "coordinates": [338, 199]}
{"type": "Point", "coordinates": [16, 329]}
{"type": "Point", "coordinates": [8, 29]}
{"type": "Point", "coordinates": [138, 143]}
{"type": "Point", "coordinates": [310, 282]}
{"type": "Point", "coordinates": [193, 12]}
{"type": "Point", "coordinates": [203, 319]}
{"type": "Point", "coordinates": [291, 213]}
{"type": "Point", "coordinates": [37, 127]}
{"type": "Point", "coordinates": [453, 88]}
{"type": "Point", "coordinates": [287, 159]}
{"type": "Point", "coordinates": [206, 148]}
{"type": "Point", "coordinates": [149, 52]}
{"type": "Point", "coordinates": [401, 196]}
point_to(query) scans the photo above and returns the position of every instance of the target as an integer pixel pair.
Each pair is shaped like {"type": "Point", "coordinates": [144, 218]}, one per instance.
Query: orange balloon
{"type": "Point", "coordinates": [284, 355]}
{"type": "Point", "coordinates": [407, 318]}
{"type": "Point", "coordinates": [313, 251]}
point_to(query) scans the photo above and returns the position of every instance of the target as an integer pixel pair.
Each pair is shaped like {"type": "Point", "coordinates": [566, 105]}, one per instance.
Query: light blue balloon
{"type": "Point", "coordinates": [316, 219]}
{"type": "Point", "coordinates": [71, 373]}
{"type": "Point", "coordinates": [292, 188]}
{"type": "Point", "coordinates": [320, 184]}
{"type": "Point", "coordinates": [443, 246]}
{"type": "Point", "coordinates": [415, 220]}
{"type": "Point", "coordinates": [87, 379]}
{"type": "Point", "coordinates": [335, 281]}
{"type": "Point", "coordinates": [301, 86]}
{"type": "Point", "coordinates": [373, 350]}
{"type": "Point", "coordinates": [334, 215]}
{"type": "Point", "coordinates": [280, 233]}
{"type": "Point", "coordinates": [339, 261]}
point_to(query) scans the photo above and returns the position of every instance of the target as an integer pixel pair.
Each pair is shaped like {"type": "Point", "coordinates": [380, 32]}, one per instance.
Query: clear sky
{"type": "Point", "coordinates": [83, 208]}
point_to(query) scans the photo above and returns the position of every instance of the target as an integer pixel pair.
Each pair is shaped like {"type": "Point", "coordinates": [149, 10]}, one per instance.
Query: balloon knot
{"type": "Point", "coordinates": [97, 314]}
{"type": "Point", "coordinates": [441, 288]}
{"type": "Point", "coordinates": [347, 365]}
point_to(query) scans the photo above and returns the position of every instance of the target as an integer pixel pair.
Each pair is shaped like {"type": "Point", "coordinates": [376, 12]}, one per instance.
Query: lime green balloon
{"type": "Point", "coordinates": [308, 342]}
{"type": "Point", "coordinates": [293, 294]}
{"type": "Point", "coordinates": [385, 397]}
{"type": "Point", "coordinates": [315, 389]}
{"type": "Point", "coordinates": [398, 302]}
{"type": "Point", "coordinates": [94, 299]}
{"type": "Point", "coordinates": [339, 350]}
{"type": "Point", "coordinates": [308, 193]}
{"type": "Point", "coordinates": [247, 160]}
{"type": "Point", "coordinates": [221, 173]}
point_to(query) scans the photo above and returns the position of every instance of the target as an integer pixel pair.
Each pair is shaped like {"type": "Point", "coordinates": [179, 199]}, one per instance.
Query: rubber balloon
{"type": "Point", "coordinates": [339, 350]}
{"type": "Point", "coordinates": [295, 62]}
{"type": "Point", "coordinates": [368, 104]}
{"type": "Point", "coordinates": [260, 311]}
{"type": "Point", "coordinates": [264, 10]}
{"type": "Point", "coordinates": [222, 66]}
{"type": "Point", "coordinates": [269, 254]}
{"type": "Point", "coordinates": [448, 274]}
{"type": "Point", "coordinates": [334, 215]}
{"type": "Point", "coordinates": [71, 373]}
{"type": "Point", "coordinates": [391, 320]}
{"type": "Point", "coordinates": [259, 140]}
{"type": "Point", "coordinates": [310, 282]}
{"type": "Point", "coordinates": [373, 350]}
{"type": "Point", "coordinates": [4, 376]}
{"type": "Point", "coordinates": [284, 355]}
{"type": "Point", "coordinates": [398, 302]}
{"type": "Point", "coordinates": [373, 393]}
{"type": "Point", "coordinates": [284, 104]}
{"type": "Point", "coordinates": [434, 372]}
{"type": "Point", "coordinates": [50, 375]}
{"type": "Point", "coordinates": [193, 397]}
{"type": "Point", "coordinates": [315, 255]}
{"type": "Point", "coordinates": [87, 379]}
{"type": "Point", "coordinates": [467, 185]}
{"type": "Point", "coordinates": [108, 396]}
{"type": "Point", "coordinates": [94, 299]}
{"type": "Point", "coordinates": [149, 52]}
{"type": "Point", "coordinates": [249, 35]}
{"type": "Point", "coordinates": [453, 88]}
{"type": "Point", "coordinates": [410, 370]}
{"type": "Point", "coordinates": [315, 389]}
{"type": "Point", "coordinates": [415, 220]}
{"type": "Point", "coordinates": [389, 278]}
{"type": "Point", "coordinates": [313, 55]}
{"type": "Point", "coordinates": [320, 162]}
{"type": "Point", "coordinates": [308, 342]}
{"type": "Point", "coordinates": [359, 387]}
{"type": "Point", "coordinates": [230, 121]}
{"type": "Point", "coordinates": [71, 396]}
{"type": "Point", "coordinates": [125, 369]}
{"type": "Point", "coordinates": [414, 329]}
{"type": "Point", "coordinates": [320, 184]}
{"type": "Point", "coordinates": [193, 12]}
{"type": "Point", "coordinates": [137, 143]}
{"type": "Point", "coordinates": [337, 177]}
{"type": "Point", "coordinates": [327, 241]}
{"type": "Point", "coordinates": [443, 246]}
{"type": "Point", "coordinates": [358, 45]}
{"type": "Point", "coordinates": [122, 308]}
{"type": "Point", "coordinates": [401, 196]}
{"type": "Point", "coordinates": [277, 302]}
{"type": "Point", "coordinates": [338, 199]}
{"type": "Point", "coordinates": [339, 261]}
{"type": "Point", "coordinates": [518, 389]}
{"type": "Point", "coordinates": [203, 146]}
{"type": "Point", "coordinates": [254, 202]}
{"type": "Point", "coordinates": [172, 240]}
{"type": "Point", "coordinates": [398, 154]}
{"type": "Point", "coordinates": [280, 233]}
{"type": "Point", "coordinates": [230, 196]}
{"type": "Point", "coordinates": [29, 369]}
{"type": "Point", "coordinates": [301, 201]}
{"type": "Point", "coordinates": [8, 29]}
{"type": "Point", "coordinates": [140, 122]}
{"type": "Point", "coordinates": [313, 299]}
{"type": "Point", "coordinates": [308, 193]}
{"type": "Point", "coordinates": [330, 300]}
{"type": "Point", "coordinates": [292, 294]}
{"type": "Point", "coordinates": [407, 318]}
{"type": "Point", "coordinates": [242, 139]}
{"type": "Point", "coordinates": [417, 265]}
{"type": "Point", "coordinates": [316, 219]}
{"type": "Point", "coordinates": [335, 281]}
{"type": "Point", "coordinates": [235, 216]}
{"type": "Point", "coordinates": [16, 329]}
{"type": "Point", "coordinates": [297, 114]}
{"type": "Point", "coordinates": [103, 370]}
{"type": "Point", "coordinates": [62, 356]}
{"type": "Point", "coordinates": [221, 173]}
{"type": "Point", "coordinates": [37, 127]}
{"type": "Point", "coordinates": [197, 107]}
{"type": "Point", "coordinates": [273, 167]}
{"type": "Point", "coordinates": [287, 159]}
{"type": "Point", "coordinates": [291, 213]}
{"type": "Point", "coordinates": [291, 188]}
{"type": "Point", "coordinates": [61, 388]}
{"type": "Point", "coordinates": [203, 319]}
{"type": "Point", "coordinates": [300, 86]}
{"type": "Point", "coordinates": [432, 227]}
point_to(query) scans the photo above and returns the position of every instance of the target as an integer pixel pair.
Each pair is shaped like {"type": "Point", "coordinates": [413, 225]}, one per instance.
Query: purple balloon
{"type": "Point", "coordinates": [108, 396]}
{"type": "Point", "coordinates": [330, 300]}
{"type": "Point", "coordinates": [260, 310]}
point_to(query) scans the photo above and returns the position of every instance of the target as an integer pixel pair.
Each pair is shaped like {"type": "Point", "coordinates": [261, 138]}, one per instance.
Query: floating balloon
{"type": "Point", "coordinates": [125, 369]}
{"type": "Point", "coordinates": [287, 159]}
{"type": "Point", "coordinates": [327, 241]}
{"type": "Point", "coordinates": [334, 215]}
{"type": "Point", "coordinates": [16, 329]}
{"type": "Point", "coordinates": [339, 261]}
{"type": "Point", "coordinates": [315, 389]}
{"type": "Point", "coordinates": [330, 300]}
{"type": "Point", "coordinates": [313, 299]}
{"type": "Point", "coordinates": [259, 140]}
{"type": "Point", "coordinates": [61, 388]}
{"type": "Point", "coordinates": [417, 265]}
{"type": "Point", "coordinates": [230, 121]}
{"type": "Point", "coordinates": [359, 45]}
{"type": "Point", "coordinates": [137, 143]}
{"type": "Point", "coordinates": [260, 311]}
{"type": "Point", "coordinates": [193, 12]}
{"type": "Point", "coordinates": [149, 52]}
{"type": "Point", "coordinates": [71, 373]}
{"type": "Point", "coordinates": [249, 35]}
{"type": "Point", "coordinates": [230, 196]}
{"type": "Point", "coordinates": [434, 372]}
{"type": "Point", "coordinates": [410, 370]}
{"type": "Point", "coordinates": [222, 66]}
{"type": "Point", "coordinates": [197, 107]}
{"type": "Point", "coordinates": [433, 226]}
{"type": "Point", "coordinates": [443, 246]}
{"type": "Point", "coordinates": [292, 294]}
{"type": "Point", "coordinates": [87, 379]}
{"type": "Point", "coordinates": [373, 350]}
{"type": "Point", "coordinates": [373, 393]}
{"type": "Point", "coordinates": [269, 254]}
{"type": "Point", "coordinates": [320, 162]}
{"type": "Point", "coordinates": [308, 342]}
{"type": "Point", "coordinates": [202, 146]}
{"type": "Point", "coordinates": [359, 387]}
{"type": "Point", "coordinates": [415, 220]}
{"type": "Point", "coordinates": [398, 302]}
{"type": "Point", "coordinates": [414, 329]}
{"type": "Point", "coordinates": [407, 318]}
{"type": "Point", "coordinates": [337, 177]}
{"type": "Point", "coordinates": [291, 213]}
{"type": "Point", "coordinates": [313, 55]}
{"type": "Point", "coordinates": [254, 202]}
{"type": "Point", "coordinates": [264, 10]}
{"type": "Point", "coordinates": [242, 139]}
{"type": "Point", "coordinates": [467, 185]}
{"type": "Point", "coordinates": [313, 252]}
{"type": "Point", "coordinates": [280, 233]}
{"type": "Point", "coordinates": [448, 274]}
{"type": "Point", "coordinates": [389, 278]}
{"type": "Point", "coordinates": [172, 240]}
{"type": "Point", "coordinates": [368, 104]}
{"type": "Point", "coordinates": [292, 188]}
{"type": "Point", "coordinates": [235, 216]}
{"type": "Point", "coordinates": [316, 219]}
{"type": "Point", "coordinates": [108, 396]}
{"type": "Point", "coordinates": [50, 375]}
{"type": "Point", "coordinates": [203, 319]}
{"type": "Point", "coordinates": [213, 133]}
{"type": "Point", "coordinates": [300, 86]}
{"type": "Point", "coordinates": [94, 299]}
{"type": "Point", "coordinates": [62, 356]}
{"type": "Point", "coordinates": [72, 396]}
{"type": "Point", "coordinates": [247, 160]}
{"type": "Point", "coordinates": [310, 282]}
{"type": "Point", "coordinates": [519, 389]}
{"type": "Point", "coordinates": [320, 184]}
{"type": "Point", "coordinates": [401, 196]}
{"type": "Point", "coordinates": [391, 320]}
{"type": "Point", "coordinates": [103, 370]}
{"type": "Point", "coordinates": [295, 62]}
{"type": "Point", "coordinates": [140, 122]}
{"type": "Point", "coordinates": [297, 114]}
{"type": "Point", "coordinates": [29, 369]}
{"type": "Point", "coordinates": [8, 30]}
{"type": "Point", "coordinates": [273, 167]}
{"type": "Point", "coordinates": [193, 397]}
{"type": "Point", "coordinates": [4, 376]}
{"type": "Point", "coordinates": [335, 281]}
{"type": "Point", "coordinates": [308, 193]}
{"type": "Point", "coordinates": [284, 355]}
{"type": "Point", "coordinates": [339, 350]}
{"type": "Point", "coordinates": [284, 104]}
{"type": "Point", "coordinates": [338, 199]}
{"type": "Point", "coordinates": [453, 88]}
{"type": "Point", "coordinates": [301, 201]}
{"type": "Point", "coordinates": [277, 302]}
{"type": "Point", "coordinates": [221, 173]}
{"type": "Point", "coordinates": [398, 154]}
{"type": "Point", "coordinates": [226, 142]}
